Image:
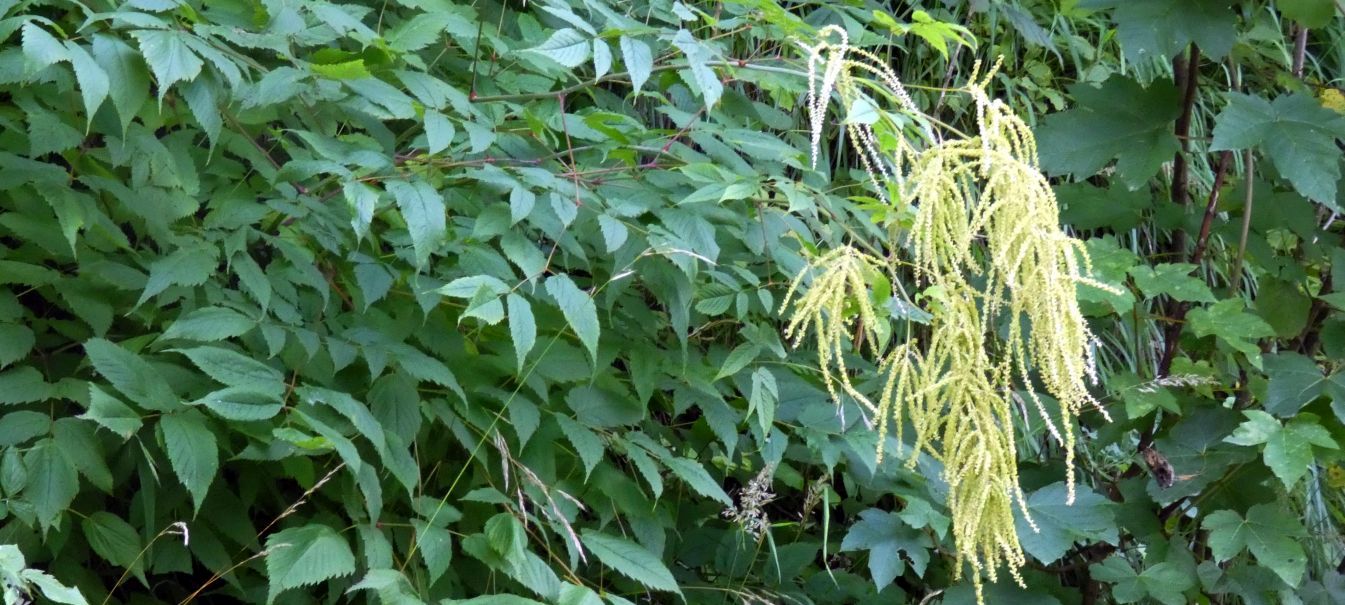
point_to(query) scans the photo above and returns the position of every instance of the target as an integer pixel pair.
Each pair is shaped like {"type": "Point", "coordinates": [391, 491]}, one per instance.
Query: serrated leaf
{"type": "Point", "coordinates": [188, 266]}
{"type": "Point", "coordinates": [1288, 447]}
{"type": "Point", "coordinates": [242, 404]}
{"type": "Point", "coordinates": [586, 443]}
{"type": "Point", "coordinates": [630, 560]}
{"type": "Point", "coordinates": [168, 56]}
{"type": "Point", "coordinates": [128, 79]}
{"type": "Point", "coordinates": [738, 359]}
{"type": "Point", "coordinates": [1060, 525]}
{"type": "Point", "coordinates": [304, 556]}
{"type": "Point", "coordinates": [23, 384]}
{"type": "Point", "coordinates": [192, 451]}
{"type": "Point", "coordinates": [522, 327]}
{"type": "Point", "coordinates": [418, 32]}
{"type": "Point", "coordinates": [93, 81]}
{"type": "Point", "coordinates": [53, 589]}
{"type": "Point", "coordinates": [344, 70]}
{"type": "Point", "coordinates": [579, 311]}
{"type": "Point", "coordinates": [436, 548]}
{"type": "Point", "coordinates": [1270, 531]}
{"type": "Point", "coordinates": [23, 425]}
{"type": "Point", "coordinates": [566, 46]}
{"type": "Point", "coordinates": [703, 78]}
{"type": "Point", "coordinates": [362, 200]}
{"type": "Point", "coordinates": [40, 48]}
{"type": "Point", "coordinates": [639, 60]}
{"type": "Point", "coordinates": [886, 536]}
{"type": "Point", "coordinates": [210, 324]}
{"type": "Point", "coordinates": [15, 343]}
{"type": "Point", "coordinates": [1159, 29]}
{"type": "Point", "coordinates": [52, 482]}
{"type": "Point", "coordinates": [1123, 121]}
{"type": "Point", "coordinates": [438, 131]}
{"type": "Point", "coordinates": [696, 477]}
{"type": "Point", "coordinates": [426, 217]}
{"type": "Point", "coordinates": [112, 538]}
{"type": "Point", "coordinates": [1294, 381]}
{"type": "Point", "coordinates": [110, 413]}
{"type": "Point", "coordinates": [614, 232]}
{"type": "Point", "coordinates": [236, 370]}
{"type": "Point", "coordinates": [1164, 581]}
{"type": "Point", "coordinates": [1295, 131]}
{"type": "Point", "coordinates": [1227, 321]}
{"type": "Point", "coordinates": [602, 58]}
{"type": "Point", "coordinates": [1172, 279]}
{"type": "Point", "coordinates": [131, 375]}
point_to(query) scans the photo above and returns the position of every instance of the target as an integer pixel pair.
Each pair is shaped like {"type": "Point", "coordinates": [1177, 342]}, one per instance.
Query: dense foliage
{"type": "Point", "coordinates": [425, 301]}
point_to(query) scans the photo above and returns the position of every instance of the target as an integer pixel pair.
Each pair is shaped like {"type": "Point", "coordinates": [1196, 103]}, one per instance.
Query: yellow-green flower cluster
{"type": "Point", "coordinates": [987, 240]}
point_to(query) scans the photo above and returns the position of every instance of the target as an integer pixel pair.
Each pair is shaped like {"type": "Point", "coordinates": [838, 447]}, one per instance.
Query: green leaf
{"type": "Point", "coordinates": [579, 311]}
{"type": "Point", "coordinates": [112, 538]}
{"type": "Point", "coordinates": [522, 327]}
{"type": "Point", "coordinates": [702, 77]}
{"type": "Point", "coordinates": [1116, 208]}
{"type": "Point", "coordinates": [1308, 13]}
{"type": "Point", "coordinates": [111, 413]}
{"type": "Point", "coordinates": [631, 560]}
{"type": "Point", "coordinates": [585, 442]}
{"type": "Point", "coordinates": [93, 81]}
{"type": "Point", "coordinates": [438, 131]}
{"type": "Point", "coordinates": [362, 200]}
{"type": "Point", "coordinates": [23, 385]}
{"type": "Point", "coordinates": [1294, 382]}
{"type": "Point", "coordinates": [1270, 531]}
{"type": "Point", "coordinates": [210, 324]}
{"type": "Point", "coordinates": [53, 589]}
{"type": "Point", "coordinates": [132, 375]}
{"type": "Point", "coordinates": [1159, 29]}
{"type": "Point", "coordinates": [419, 31]}
{"type": "Point", "coordinates": [1091, 518]}
{"type": "Point", "coordinates": [566, 46]}
{"type": "Point", "coordinates": [1283, 306]}
{"type": "Point", "coordinates": [571, 594]}
{"type": "Point", "coordinates": [602, 408]}
{"type": "Point", "coordinates": [23, 425]}
{"type": "Point", "coordinates": [639, 60]}
{"type": "Point", "coordinates": [436, 548]}
{"type": "Point", "coordinates": [697, 478]}
{"type": "Point", "coordinates": [425, 214]}
{"type": "Point", "coordinates": [15, 343]}
{"type": "Point", "coordinates": [885, 535]}
{"type": "Point", "coordinates": [1294, 131]}
{"type": "Point", "coordinates": [236, 370]}
{"type": "Point", "coordinates": [242, 404]}
{"type": "Point", "coordinates": [1227, 321]}
{"type": "Point", "coordinates": [1164, 582]}
{"type": "Point", "coordinates": [168, 57]}
{"type": "Point", "coordinates": [1288, 448]}
{"type": "Point", "coordinates": [40, 48]}
{"type": "Point", "coordinates": [192, 451]}
{"type": "Point", "coordinates": [128, 79]}
{"type": "Point", "coordinates": [602, 58]}
{"type": "Point", "coordinates": [1123, 121]}
{"type": "Point", "coordinates": [344, 70]}
{"type": "Point", "coordinates": [304, 556]}
{"type": "Point", "coordinates": [188, 266]}
{"type": "Point", "coordinates": [506, 536]}
{"type": "Point", "coordinates": [494, 599]}
{"type": "Point", "coordinates": [738, 359]}
{"type": "Point", "coordinates": [1172, 279]}
{"type": "Point", "coordinates": [52, 482]}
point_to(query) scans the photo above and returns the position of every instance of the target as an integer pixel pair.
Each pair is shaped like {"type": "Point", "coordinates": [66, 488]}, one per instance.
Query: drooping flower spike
{"type": "Point", "coordinates": [987, 245]}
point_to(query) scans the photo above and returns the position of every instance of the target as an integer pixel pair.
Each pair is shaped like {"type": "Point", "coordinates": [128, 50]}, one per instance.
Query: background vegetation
{"type": "Point", "coordinates": [425, 301]}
